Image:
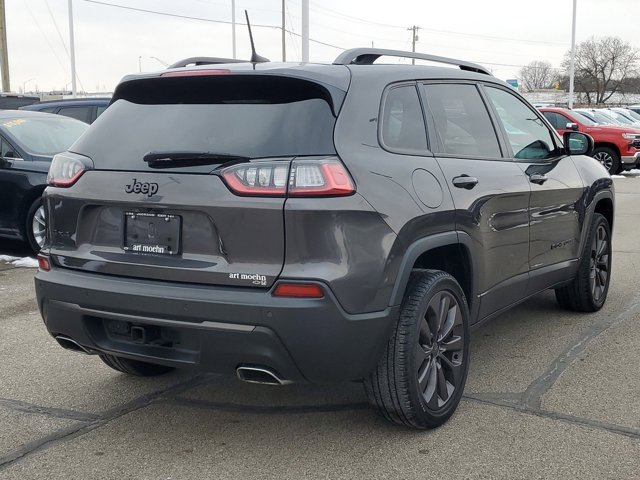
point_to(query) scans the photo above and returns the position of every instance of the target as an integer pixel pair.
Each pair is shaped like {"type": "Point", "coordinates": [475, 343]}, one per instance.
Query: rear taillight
{"type": "Point", "coordinates": [326, 177]}
{"type": "Point", "coordinates": [259, 178]}
{"type": "Point", "coordinates": [66, 169]}
{"type": "Point", "coordinates": [305, 178]}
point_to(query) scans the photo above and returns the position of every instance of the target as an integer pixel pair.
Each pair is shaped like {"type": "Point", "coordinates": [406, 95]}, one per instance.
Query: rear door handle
{"type": "Point", "coordinates": [538, 178]}
{"type": "Point", "coordinates": [465, 181]}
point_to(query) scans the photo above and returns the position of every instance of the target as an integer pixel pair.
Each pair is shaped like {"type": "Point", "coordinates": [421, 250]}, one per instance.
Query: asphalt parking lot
{"type": "Point", "coordinates": [550, 394]}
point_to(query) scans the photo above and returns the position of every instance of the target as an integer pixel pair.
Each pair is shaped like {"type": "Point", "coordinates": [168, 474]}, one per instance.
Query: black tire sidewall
{"type": "Point", "coordinates": [449, 284]}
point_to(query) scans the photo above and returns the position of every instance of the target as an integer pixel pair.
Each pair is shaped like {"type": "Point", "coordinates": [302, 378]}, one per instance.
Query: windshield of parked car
{"type": "Point", "coordinates": [619, 117]}
{"type": "Point", "coordinates": [46, 135]}
{"type": "Point", "coordinates": [603, 119]}
{"type": "Point", "coordinates": [581, 117]}
{"type": "Point", "coordinates": [631, 114]}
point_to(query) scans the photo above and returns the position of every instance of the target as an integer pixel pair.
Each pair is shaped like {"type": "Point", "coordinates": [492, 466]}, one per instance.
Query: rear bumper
{"type": "Point", "coordinates": [630, 161]}
{"type": "Point", "coordinates": [213, 328]}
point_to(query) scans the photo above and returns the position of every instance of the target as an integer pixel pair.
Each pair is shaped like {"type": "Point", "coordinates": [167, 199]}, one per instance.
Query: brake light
{"type": "Point", "coordinates": [298, 290]}
{"type": "Point", "coordinates": [305, 178]}
{"type": "Point", "coordinates": [326, 177]}
{"type": "Point", "coordinates": [65, 170]}
{"type": "Point", "coordinates": [196, 73]}
{"type": "Point", "coordinates": [260, 178]}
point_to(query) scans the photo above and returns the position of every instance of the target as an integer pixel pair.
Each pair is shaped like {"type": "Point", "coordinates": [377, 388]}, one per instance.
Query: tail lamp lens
{"type": "Point", "coordinates": [319, 178]}
{"type": "Point", "coordinates": [262, 179]}
{"type": "Point", "coordinates": [325, 177]}
{"type": "Point", "coordinates": [65, 170]}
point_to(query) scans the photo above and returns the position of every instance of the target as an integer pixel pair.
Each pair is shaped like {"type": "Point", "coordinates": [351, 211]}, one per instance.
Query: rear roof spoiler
{"type": "Point", "coordinates": [366, 56]}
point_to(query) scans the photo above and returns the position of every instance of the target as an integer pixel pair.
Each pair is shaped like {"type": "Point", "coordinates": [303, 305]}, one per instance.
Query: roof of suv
{"type": "Point", "coordinates": [357, 62]}
{"type": "Point", "coordinates": [71, 102]}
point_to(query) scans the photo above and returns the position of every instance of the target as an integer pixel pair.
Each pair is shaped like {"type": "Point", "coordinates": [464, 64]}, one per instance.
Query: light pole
{"type": "Point", "coordinates": [24, 85]}
{"type": "Point", "coordinates": [572, 66]}
{"type": "Point", "coordinates": [72, 49]}
{"type": "Point", "coordinates": [140, 63]}
{"type": "Point", "coordinates": [305, 31]}
{"type": "Point", "coordinates": [233, 27]}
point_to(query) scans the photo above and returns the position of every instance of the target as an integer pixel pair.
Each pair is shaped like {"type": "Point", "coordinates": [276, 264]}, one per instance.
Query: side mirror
{"type": "Point", "coordinates": [572, 126]}
{"type": "Point", "coordinates": [576, 143]}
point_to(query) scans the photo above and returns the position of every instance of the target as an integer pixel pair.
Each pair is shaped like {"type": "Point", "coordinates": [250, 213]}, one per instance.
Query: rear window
{"type": "Point", "coordinates": [251, 117]}
{"type": "Point", "coordinates": [46, 135]}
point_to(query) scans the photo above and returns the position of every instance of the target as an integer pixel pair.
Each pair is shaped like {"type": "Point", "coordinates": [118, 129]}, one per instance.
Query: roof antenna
{"type": "Point", "coordinates": [255, 58]}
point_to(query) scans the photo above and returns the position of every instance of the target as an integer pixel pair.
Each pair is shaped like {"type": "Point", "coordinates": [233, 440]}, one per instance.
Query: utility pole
{"type": "Point", "coordinates": [3, 50]}
{"type": "Point", "coordinates": [72, 50]}
{"type": "Point", "coordinates": [572, 67]}
{"type": "Point", "coordinates": [233, 27]}
{"type": "Point", "coordinates": [305, 31]}
{"type": "Point", "coordinates": [414, 35]}
{"type": "Point", "coordinates": [284, 46]}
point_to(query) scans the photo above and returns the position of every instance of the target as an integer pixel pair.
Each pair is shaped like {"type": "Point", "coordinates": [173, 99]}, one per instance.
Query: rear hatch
{"type": "Point", "coordinates": [186, 177]}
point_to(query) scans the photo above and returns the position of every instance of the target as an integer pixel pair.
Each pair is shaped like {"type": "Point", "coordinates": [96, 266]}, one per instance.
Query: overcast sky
{"type": "Point", "coordinates": [112, 42]}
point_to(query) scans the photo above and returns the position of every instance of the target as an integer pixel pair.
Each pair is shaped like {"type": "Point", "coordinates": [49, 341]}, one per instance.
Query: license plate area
{"type": "Point", "coordinates": [152, 233]}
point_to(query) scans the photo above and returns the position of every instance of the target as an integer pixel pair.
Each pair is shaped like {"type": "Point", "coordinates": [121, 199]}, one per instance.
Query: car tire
{"type": "Point", "coordinates": [134, 367]}
{"type": "Point", "coordinates": [415, 373]}
{"type": "Point", "coordinates": [35, 225]}
{"type": "Point", "coordinates": [588, 290]}
{"type": "Point", "coordinates": [609, 159]}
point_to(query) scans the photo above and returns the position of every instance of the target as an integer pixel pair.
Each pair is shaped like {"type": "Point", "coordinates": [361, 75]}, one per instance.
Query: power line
{"type": "Point", "coordinates": [64, 45]}
{"type": "Point", "coordinates": [211, 20]}
{"type": "Point", "coordinates": [64, 69]}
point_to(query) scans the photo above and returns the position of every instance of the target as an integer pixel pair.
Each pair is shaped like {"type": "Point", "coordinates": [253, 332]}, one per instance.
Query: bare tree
{"type": "Point", "coordinates": [537, 75]}
{"type": "Point", "coordinates": [602, 66]}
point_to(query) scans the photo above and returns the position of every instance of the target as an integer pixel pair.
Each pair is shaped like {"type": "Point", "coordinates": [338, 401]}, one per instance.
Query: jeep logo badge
{"type": "Point", "coordinates": [135, 186]}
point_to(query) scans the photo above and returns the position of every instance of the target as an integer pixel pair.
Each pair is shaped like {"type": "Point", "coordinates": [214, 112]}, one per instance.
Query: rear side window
{"type": "Point", "coordinates": [556, 121]}
{"type": "Point", "coordinates": [249, 117]}
{"type": "Point", "coordinates": [462, 121]}
{"type": "Point", "coordinates": [402, 123]}
{"type": "Point", "coordinates": [79, 113]}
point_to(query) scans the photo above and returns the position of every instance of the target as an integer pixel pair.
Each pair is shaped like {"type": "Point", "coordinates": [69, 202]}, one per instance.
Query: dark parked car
{"type": "Point", "coordinates": [83, 109]}
{"type": "Point", "coordinates": [29, 140]}
{"type": "Point", "coordinates": [318, 223]}
{"type": "Point", "coordinates": [12, 101]}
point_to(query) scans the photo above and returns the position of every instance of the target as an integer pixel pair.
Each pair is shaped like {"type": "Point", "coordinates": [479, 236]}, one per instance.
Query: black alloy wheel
{"type": "Point", "coordinates": [419, 380]}
{"type": "Point", "coordinates": [440, 350]}
{"type": "Point", "coordinates": [599, 265]}
{"type": "Point", "coordinates": [588, 290]}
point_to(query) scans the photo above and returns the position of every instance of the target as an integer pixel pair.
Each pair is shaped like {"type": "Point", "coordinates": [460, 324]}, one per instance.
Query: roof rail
{"type": "Point", "coordinates": [366, 56]}
{"type": "Point", "coordinates": [203, 61]}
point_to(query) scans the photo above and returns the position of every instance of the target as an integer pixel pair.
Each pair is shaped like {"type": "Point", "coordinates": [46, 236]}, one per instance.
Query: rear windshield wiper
{"type": "Point", "coordinates": [189, 159]}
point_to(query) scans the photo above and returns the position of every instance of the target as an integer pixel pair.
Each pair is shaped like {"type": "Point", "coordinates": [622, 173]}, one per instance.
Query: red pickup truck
{"type": "Point", "coordinates": [616, 147]}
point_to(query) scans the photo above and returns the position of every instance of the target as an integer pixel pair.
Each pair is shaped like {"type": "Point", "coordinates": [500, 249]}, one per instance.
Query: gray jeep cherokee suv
{"type": "Point", "coordinates": [318, 223]}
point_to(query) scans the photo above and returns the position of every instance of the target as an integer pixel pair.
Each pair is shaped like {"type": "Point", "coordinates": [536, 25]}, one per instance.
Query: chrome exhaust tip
{"type": "Point", "coordinates": [261, 375]}
{"type": "Point", "coordinates": [70, 344]}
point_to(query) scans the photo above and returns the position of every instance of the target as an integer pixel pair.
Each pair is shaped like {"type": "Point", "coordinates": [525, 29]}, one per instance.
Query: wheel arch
{"type": "Point", "coordinates": [612, 146]}
{"type": "Point", "coordinates": [450, 252]}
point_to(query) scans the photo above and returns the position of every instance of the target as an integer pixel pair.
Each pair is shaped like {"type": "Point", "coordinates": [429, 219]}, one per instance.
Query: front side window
{"type": "Point", "coordinates": [528, 135]}
{"type": "Point", "coordinates": [402, 124]}
{"type": "Point", "coordinates": [461, 120]}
